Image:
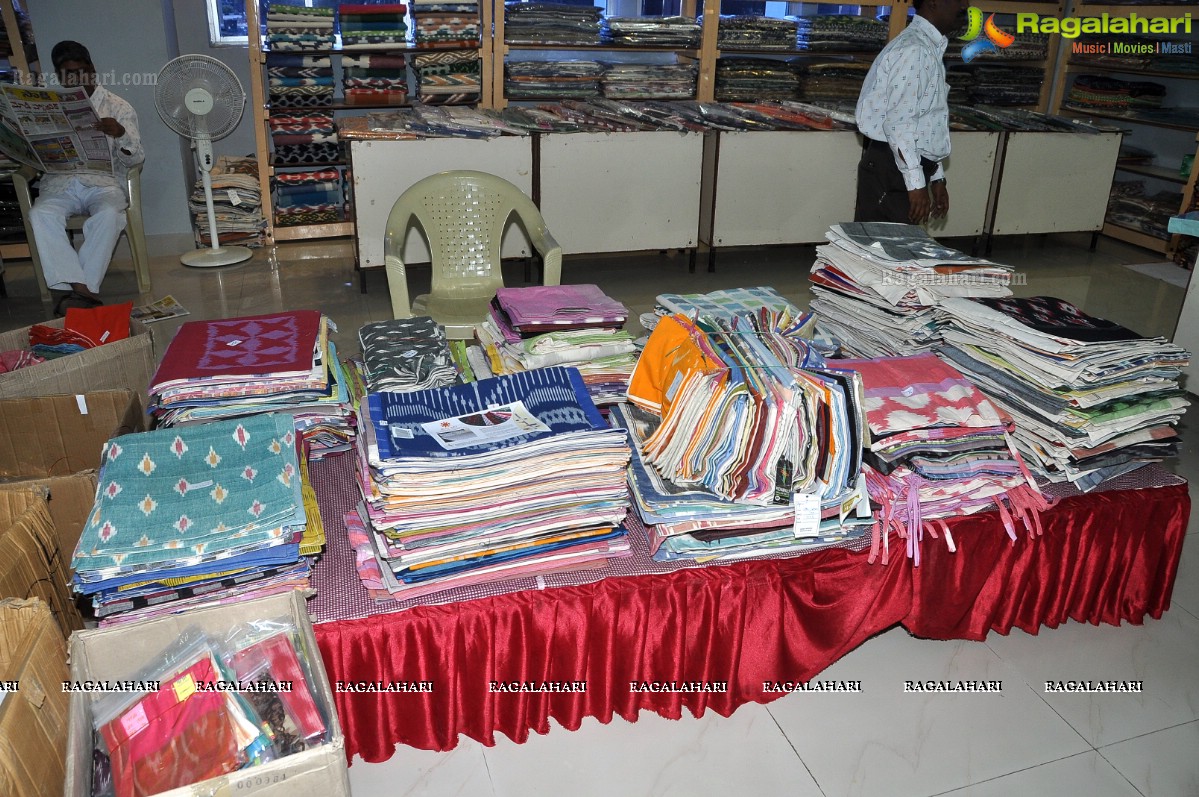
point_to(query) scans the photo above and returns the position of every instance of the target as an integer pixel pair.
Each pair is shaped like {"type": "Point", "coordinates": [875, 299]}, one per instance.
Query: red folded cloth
{"type": "Point", "coordinates": [104, 324]}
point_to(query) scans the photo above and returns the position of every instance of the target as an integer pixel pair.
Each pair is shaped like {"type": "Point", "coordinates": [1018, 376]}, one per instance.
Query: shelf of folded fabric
{"type": "Point", "coordinates": [1133, 116]}
{"type": "Point", "coordinates": [1158, 172]}
{"type": "Point", "coordinates": [1135, 237]}
{"type": "Point", "coordinates": [623, 48]}
{"type": "Point", "coordinates": [1072, 66]}
{"type": "Point", "coordinates": [336, 106]}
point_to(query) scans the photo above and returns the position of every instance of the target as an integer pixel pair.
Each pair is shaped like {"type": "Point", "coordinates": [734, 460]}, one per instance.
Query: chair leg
{"type": "Point", "coordinates": [3, 287]}
{"type": "Point", "coordinates": [42, 287]}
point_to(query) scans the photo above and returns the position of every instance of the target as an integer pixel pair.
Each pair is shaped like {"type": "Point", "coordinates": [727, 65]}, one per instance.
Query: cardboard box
{"type": "Point", "coordinates": [32, 564]}
{"type": "Point", "coordinates": [33, 716]}
{"type": "Point", "coordinates": [126, 364]}
{"type": "Point", "coordinates": [70, 499]}
{"type": "Point", "coordinates": [120, 653]}
{"type": "Point", "coordinates": [56, 435]}
{"type": "Point", "coordinates": [47, 439]}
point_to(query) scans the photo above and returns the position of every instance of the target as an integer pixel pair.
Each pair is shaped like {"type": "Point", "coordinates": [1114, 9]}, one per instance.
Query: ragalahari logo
{"type": "Point", "coordinates": [993, 39]}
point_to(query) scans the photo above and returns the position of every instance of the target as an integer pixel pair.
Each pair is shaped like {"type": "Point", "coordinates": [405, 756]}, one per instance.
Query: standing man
{"type": "Point", "coordinates": [903, 112]}
{"type": "Point", "coordinates": [100, 196]}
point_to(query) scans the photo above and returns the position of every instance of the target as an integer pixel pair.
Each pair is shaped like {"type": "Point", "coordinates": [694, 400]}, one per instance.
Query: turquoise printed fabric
{"type": "Point", "coordinates": [194, 493]}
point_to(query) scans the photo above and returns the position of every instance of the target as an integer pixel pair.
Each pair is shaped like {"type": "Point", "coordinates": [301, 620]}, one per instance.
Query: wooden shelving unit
{"type": "Point", "coordinates": [1070, 67]}
{"type": "Point", "coordinates": [261, 110]}
{"type": "Point", "coordinates": [17, 60]}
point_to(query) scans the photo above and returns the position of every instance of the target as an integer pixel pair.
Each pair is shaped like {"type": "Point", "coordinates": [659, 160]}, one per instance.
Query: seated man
{"type": "Point", "coordinates": [100, 196]}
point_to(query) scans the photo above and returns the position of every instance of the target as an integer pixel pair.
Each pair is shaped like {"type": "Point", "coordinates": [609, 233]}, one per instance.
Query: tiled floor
{"type": "Point", "coordinates": [880, 742]}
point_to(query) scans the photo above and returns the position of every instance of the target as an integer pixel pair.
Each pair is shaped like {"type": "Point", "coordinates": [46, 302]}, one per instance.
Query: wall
{"type": "Point", "coordinates": [133, 39]}
{"type": "Point", "coordinates": [191, 30]}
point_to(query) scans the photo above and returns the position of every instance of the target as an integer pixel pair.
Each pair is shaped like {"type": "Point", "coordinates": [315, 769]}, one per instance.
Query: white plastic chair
{"type": "Point", "coordinates": [463, 215]}
{"type": "Point", "coordinates": [134, 229]}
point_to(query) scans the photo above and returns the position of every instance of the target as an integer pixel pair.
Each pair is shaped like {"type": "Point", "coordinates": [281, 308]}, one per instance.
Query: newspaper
{"type": "Point", "coordinates": [53, 130]}
{"type": "Point", "coordinates": [164, 308]}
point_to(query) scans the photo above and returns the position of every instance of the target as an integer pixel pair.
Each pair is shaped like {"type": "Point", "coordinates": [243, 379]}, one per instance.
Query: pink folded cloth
{"type": "Point", "coordinates": [18, 358]}
{"type": "Point", "coordinates": [560, 305]}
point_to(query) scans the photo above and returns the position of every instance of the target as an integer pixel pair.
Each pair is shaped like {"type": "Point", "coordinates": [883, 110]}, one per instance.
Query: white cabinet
{"type": "Point", "coordinates": [621, 192]}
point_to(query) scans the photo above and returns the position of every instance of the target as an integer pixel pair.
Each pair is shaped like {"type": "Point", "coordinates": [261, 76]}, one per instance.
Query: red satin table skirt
{"type": "Point", "coordinates": [1107, 557]}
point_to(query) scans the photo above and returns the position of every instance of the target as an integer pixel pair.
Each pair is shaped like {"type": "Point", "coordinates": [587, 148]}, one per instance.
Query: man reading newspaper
{"type": "Point", "coordinates": [99, 195]}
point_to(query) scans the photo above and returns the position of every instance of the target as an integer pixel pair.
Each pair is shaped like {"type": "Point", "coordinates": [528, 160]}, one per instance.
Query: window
{"type": "Point", "coordinates": [227, 22]}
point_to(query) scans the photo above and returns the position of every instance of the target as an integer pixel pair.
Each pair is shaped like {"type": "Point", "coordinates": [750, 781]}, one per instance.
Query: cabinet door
{"type": "Point", "coordinates": [621, 192]}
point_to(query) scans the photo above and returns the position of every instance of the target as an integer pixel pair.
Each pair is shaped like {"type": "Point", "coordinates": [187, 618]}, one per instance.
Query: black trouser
{"type": "Point", "coordinates": [882, 193]}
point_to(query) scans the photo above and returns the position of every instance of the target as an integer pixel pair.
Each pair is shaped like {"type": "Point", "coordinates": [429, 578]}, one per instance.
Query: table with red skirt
{"type": "Point", "coordinates": [1108, 556]}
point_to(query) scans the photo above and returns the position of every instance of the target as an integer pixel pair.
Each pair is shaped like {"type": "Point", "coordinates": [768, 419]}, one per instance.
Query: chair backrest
{"type": "Point", "coordinates": [463, 215]}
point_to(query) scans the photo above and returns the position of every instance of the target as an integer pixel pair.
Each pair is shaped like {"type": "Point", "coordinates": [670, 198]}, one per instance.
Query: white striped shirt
{"type": "Point", "coordinates": [905, 100]}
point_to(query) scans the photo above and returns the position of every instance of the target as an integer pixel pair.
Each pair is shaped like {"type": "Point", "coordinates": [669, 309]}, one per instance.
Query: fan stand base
{"type": "Point", "coordinates": [212, 258]}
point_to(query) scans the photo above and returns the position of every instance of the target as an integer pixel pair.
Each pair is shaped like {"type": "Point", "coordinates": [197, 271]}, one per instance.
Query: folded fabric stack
{"type": "Point", "coordinates": [680, 32]}
{"type": "Point", "coordinates": [538, 483]}
{"type": "Point", "coordinates": [551, 23]}
{"type": "Point", "coordinates": [1026, 47]}
{"type": "Point", "coordinates": [374, 79]}
{"type": "Point", "coordinates": [83, 328]}
{"type": "Point", "coordinates": [756, 33]}
{"type": "Point", "coordinates": [1102, 93]}
{"type": "Point", "coordinates": [841, 32]}
{"type": "Point", "coordinates": [649, 81]}
{"type": "Point", "coordinates": [874, 287]}
{"type": "Point", "coordinates": [744, 445]}
{"type": "Point", "coordinates": [448, 78]}
{"type": "Point", "coordinates": [304, 138]}
{"type": "Point", "coordinates": [1091, 399]}
{"type": "Point", "coordinates": [237, 201]}
{"type": "Point", "coordinates": [938, 449]}
{"type": "Point", "coordinates": [280, 363]}
{"type": "Point", "coordinates": [406, 354]}
{"type": "Point", "coordinates": [313, 197]}
{"type": "Point", "coordinates": [557, 79]}
{"type": "Point", "coordinates": [299, 81]}
{"type": "Point", "coordinates": [575, 325]}
{"type": "Point", "coordinates": [1129, 206]}
{"type": "Point", "coordinates": [372, 26]}
{"type": "Point", "coordinates": [441, 24]}
{"type": "Point", "coordinates": [831, 80]}
{"type": "Point", "coordinates": [194, 516]}
{"type": "Point", "coordinates": [751, 79]}
{"type": "Point", "coordinates": [291, 27]}
{"type": "Point", "coordinates": [1003, 84]}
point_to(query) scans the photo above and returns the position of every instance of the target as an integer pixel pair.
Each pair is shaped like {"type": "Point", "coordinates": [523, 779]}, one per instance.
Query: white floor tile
{"type": "Point", "coordinates": [744, 754]}
{"type": "Point", "coordinates": [1087, 773]}
{"type": "Point", "coordinates": [889, 742]}
{"type": "Point", "coordinates": [1161, 764]}
{"type": "Point", "coordinates": [423, 773]}
{"type": "Point", "coordinates": [1164, 654]}
{"type": "Point", "coordinates": [1186, 583]}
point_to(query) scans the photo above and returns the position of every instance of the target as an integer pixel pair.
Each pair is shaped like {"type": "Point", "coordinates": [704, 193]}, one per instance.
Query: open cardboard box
{"type": "Point", "coordinates": [120, 653]}
{"type": "Point", "coordinates": [53, 443]}
{"type": "Point", "coordinates": [124, 364]}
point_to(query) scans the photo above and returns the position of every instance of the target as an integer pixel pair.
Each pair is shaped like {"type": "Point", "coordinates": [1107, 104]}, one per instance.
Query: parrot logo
{"type": "Point", "coordinates": [993, 38]}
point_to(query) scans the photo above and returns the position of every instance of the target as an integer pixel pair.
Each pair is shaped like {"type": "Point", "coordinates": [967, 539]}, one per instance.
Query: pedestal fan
{"type": "Point", "coordinates": [201, 99]}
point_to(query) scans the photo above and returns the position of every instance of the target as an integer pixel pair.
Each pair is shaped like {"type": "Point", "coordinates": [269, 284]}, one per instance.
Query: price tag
{"type": "Point", "coordinates": [185, 687]}
{"type": "Point", "coordinates": [234, 197]}
{"type": "Point", "coordinates": [807, 514]}
{"type": "Point", "coordinates": [233, 343]}
{"type": "Point", "coordinates": [134, 721]}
